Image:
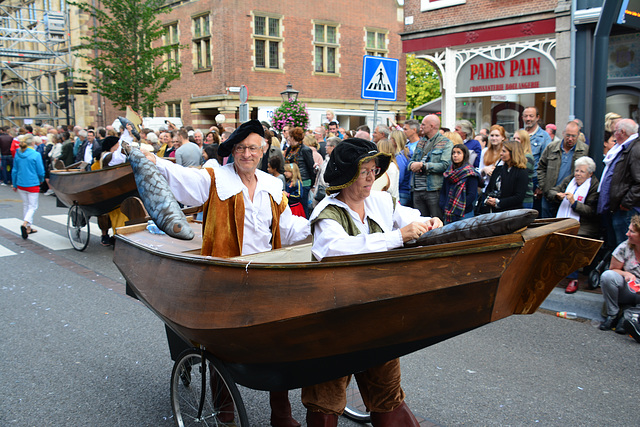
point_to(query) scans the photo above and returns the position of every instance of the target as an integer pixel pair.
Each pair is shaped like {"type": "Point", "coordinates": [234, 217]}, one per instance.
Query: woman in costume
{"type": "Point", "coordinates": [352, 219]}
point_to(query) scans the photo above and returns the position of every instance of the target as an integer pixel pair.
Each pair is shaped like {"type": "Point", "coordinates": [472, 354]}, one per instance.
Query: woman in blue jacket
{"type": "Point", "coordinates": [27, 175]}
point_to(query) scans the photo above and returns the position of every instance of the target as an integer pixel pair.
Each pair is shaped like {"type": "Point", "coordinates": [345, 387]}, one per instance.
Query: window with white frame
{"type": "Point", "coordinates": [173, 109]}
{"type": "Point", "coordinates": [172, 38]}
{"type": "Point", "coordinates": [267, 41]}
{"type": "Point", "coordinates": [202, 42]}
{"type": "Point", "coordinates": [326, 48]}
{"type": "Point", "coordinates": [376, 44]}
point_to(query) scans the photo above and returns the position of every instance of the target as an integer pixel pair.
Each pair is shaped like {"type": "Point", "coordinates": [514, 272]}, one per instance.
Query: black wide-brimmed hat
{"type": "Point", "coordinates": [345, 161]}
{"type": "Point", "coordinates": [109, 142]}
{"type": "Point", "coordinates": [239, 135]}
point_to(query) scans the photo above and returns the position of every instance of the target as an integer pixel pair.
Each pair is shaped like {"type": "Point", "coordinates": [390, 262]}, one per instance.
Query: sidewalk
{"type": "Point", "coordinates": [586, 303]}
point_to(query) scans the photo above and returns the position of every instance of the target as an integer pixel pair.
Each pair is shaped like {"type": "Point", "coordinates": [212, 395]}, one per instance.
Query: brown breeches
{"type": "Point", "coordinates": [379, 387]}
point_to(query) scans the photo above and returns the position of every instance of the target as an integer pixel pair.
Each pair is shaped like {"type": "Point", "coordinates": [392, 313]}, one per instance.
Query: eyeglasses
{"type": "Point", "coordinates": [239, 149]}
{"type": "Point", "coordinates": [364, 172]}
{"type": "Point", "coordinates": [568, 135]}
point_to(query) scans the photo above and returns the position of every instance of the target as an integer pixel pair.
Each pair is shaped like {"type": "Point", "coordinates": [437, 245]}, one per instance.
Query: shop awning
{"type": "Point", "coordinates": [431, 107]}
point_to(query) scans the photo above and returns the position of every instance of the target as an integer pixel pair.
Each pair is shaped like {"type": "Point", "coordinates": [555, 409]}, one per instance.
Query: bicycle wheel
{"type": "Point", "coordinates": [78, 228]}
{"type": "Point", "coordinates": [355, 409]}
{"type": "Point", "coordinates": [221, 403]}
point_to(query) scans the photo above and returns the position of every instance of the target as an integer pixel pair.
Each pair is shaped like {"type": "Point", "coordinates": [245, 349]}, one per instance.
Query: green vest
{"type": "Point", "coordinates": [342, 217]}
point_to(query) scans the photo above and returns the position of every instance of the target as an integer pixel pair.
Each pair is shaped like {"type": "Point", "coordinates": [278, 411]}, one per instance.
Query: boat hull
{"type": "Point", "coordinates": [96, 192]}
{"type": "Point", "coordinates": [285, 325]}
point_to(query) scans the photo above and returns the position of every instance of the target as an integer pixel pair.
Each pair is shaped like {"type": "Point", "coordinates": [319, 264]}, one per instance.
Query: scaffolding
{"type": "Point", "coordinates": [35, 59]}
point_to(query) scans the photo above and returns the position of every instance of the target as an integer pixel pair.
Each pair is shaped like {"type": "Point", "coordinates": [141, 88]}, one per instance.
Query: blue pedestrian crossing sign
{"type": "Point", "coordinates": [379, 78]}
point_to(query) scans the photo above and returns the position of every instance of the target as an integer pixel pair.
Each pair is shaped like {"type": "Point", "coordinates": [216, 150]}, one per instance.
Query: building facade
{"type": "Point", "coordinates": [316, 47]}
{"type": "Point", "coordinates": [495, 58]}
{"type": "Point", "coordinates": [36, 38]}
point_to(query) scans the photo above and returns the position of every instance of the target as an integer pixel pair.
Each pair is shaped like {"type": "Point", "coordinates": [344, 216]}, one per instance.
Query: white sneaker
{"type": "Point", "coordinates": [50, 192]}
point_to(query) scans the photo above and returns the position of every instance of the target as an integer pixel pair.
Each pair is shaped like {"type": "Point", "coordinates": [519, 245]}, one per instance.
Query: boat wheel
{"type": "Point", "coordinates": [78, 228]}
{"type": "Point", "coordinates": [355, 409]}
{"type": "Point", "coordinates": [204, 394]}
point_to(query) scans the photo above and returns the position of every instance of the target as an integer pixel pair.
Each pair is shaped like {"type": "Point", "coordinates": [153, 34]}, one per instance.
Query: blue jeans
{"type": "Point", "coordinates": [304, 199]}
{"type": "Point", "coordinates": [405, 199]}
{"type": "Point", "coordinates": [549, 209]}
{"type": "Point", "coordinates": [620, 221]}
{"type": "Point", "coordinates": [7, 164]}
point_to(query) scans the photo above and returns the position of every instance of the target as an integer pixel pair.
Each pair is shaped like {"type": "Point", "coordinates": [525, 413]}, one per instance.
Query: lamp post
{"type": "Point", "coordinates": [289, 94]}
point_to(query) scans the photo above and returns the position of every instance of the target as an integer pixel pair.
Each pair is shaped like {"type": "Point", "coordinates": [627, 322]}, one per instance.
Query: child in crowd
{"type": "Point", "coordinates": [294, 188]}
{"type": "Point", "coordinates": [274, 167]}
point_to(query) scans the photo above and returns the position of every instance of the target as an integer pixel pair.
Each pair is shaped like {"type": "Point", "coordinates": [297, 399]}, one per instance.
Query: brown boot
{"type": "Point", "coordinates": [401, 416]}
{"type": "Point", "coordinates": [319, 419]}
{"type": "Point", "coordinates": [281, 410]}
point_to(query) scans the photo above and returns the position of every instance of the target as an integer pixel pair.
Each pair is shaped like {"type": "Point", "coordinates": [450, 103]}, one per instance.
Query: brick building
{"type": "Point", "coordinates": [497, 57]}
{"type": "Point", "coordinates": [318, 47]}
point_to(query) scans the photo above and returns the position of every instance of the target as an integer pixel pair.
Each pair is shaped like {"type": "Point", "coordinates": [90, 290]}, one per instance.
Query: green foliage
{"type": "Point", "coordinates": [423, 84]}
{"type": "Point", "coordinates": [131, 71]}
{"type": "Point", "coordinates": [292, 114]}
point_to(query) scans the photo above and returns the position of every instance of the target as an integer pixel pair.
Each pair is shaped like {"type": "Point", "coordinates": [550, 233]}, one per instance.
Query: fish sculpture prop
{"type": "Point", "coordinates": [134, 129]}
{"type": "Point", "coordinates": [487, 225]}
{"type": "Point", "coordinates": [156, 196]}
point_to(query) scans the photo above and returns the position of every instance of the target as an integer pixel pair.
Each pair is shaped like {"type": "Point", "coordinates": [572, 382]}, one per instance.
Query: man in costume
{"type": "Point", "coordinates": [245, 211]}
{"type": "Point", "coordinates": [353, 219]}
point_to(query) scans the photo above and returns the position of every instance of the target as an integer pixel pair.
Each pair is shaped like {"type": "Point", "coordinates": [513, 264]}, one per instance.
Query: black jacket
{"type": "Point", "coordinates": [513, 187]}
{"type": "Point", "coordinates": [625, 182]}
{"type": "Point", "coordinates": [305, 163]}
{"type": "Point", "coordinates": [96, 150]}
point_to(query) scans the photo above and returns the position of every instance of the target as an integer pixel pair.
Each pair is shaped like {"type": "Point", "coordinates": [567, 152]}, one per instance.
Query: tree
{"type": "Point", "coordinates": [132, 72]}
{"type": "Point", "coordinates": [423, 84]}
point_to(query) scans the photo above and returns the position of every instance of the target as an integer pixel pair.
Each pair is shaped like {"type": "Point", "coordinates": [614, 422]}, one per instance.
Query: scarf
{"type": "Point", "coordinates": [291, 155]}
{"type": "Point", "coordinates": [579, 193]}
{"type": "Point", "coordinates": [612, 154]}
{"type": "Point", "coordinates": [457, 197]}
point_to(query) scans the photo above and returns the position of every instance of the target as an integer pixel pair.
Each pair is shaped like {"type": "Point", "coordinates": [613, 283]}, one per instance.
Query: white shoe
{"type": "Point", "coordinates": [50, 193]}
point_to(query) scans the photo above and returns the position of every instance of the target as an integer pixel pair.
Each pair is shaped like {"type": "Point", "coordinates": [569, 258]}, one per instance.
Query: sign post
{"type": "Point", "coordinates": [244, 107]}
{"type": "Point", "coordinates": [379, 81]}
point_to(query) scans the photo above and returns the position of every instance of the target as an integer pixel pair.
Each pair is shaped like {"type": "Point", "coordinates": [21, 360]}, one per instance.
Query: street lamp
{"type": "Point", "coordinates": [289, 94]}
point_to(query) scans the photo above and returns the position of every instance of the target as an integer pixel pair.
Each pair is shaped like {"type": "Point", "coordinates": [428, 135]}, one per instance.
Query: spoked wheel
{"type": "Point", "coordinates": [204, 394]}
{"type": "Point", "coordinates": [78, 228]}
{"type": "Point", "coordinates": [355, 409]}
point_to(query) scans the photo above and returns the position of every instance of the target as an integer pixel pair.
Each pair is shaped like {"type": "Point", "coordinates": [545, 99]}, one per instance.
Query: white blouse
{"type": "Point", "coordinates": [331, 239]}
{"type": "Point", "coordinates": [191, 187]}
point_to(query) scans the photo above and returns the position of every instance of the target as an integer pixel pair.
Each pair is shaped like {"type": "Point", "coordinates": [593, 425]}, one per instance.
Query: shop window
{"type": "Point", "coordinates": [173, 109]}
{"type": "Point", "coordinates": [326, 48]}
{"type": "Point", "coordinates": [202, 42]}
{"type": "Point", "coordinates": [625, 103]}
{"type": "Point", "coordinates": [377, 43]}
{"type": "Point", "coordinates": [267, 41]}
{"type": "Point", "coordinates": [172, 38]}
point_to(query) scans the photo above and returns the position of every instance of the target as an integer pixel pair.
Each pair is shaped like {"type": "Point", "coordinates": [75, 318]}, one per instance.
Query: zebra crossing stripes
{"type": "Point", "coordinates": [5, 252]}
{"type": "Point", "coordinates": [62, 219]}
{"type": "Point", "coordinates": [43, 237]}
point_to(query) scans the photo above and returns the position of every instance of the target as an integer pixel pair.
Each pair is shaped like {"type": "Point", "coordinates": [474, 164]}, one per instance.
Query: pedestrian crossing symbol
{"type": "Point", "coordinates": [379, 78]}
{"type": "Point", "coordinates": [380, 81]}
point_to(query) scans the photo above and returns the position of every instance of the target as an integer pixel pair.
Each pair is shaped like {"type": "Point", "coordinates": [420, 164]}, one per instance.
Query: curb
{"type": "Point", "coordinates": [586, 305]}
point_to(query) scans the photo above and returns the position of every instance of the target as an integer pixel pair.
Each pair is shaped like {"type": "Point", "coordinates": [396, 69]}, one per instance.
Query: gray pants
{"type": "Point", "coordinates": [616, 292]}
{"type": "Point", "coordinates": [428, 203]}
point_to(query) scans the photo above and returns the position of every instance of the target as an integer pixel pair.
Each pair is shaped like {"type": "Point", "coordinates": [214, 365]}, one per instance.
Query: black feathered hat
{"type": "Point", "coordinates": [239, 135]}
{"type": "Point", "coordinates": [109, 142]}
{"type": "Point", "coordinates": [345, 161]}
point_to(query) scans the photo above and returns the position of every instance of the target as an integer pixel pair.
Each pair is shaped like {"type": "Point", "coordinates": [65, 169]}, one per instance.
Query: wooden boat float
{"type": "Point", "coordinates": [96, 192]}
{"type": "Point", "coordinates": [280, 321]}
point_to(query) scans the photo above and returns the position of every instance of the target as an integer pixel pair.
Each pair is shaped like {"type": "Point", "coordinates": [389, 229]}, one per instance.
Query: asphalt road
{"type": "Point", "coordinates": [77, 352]}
